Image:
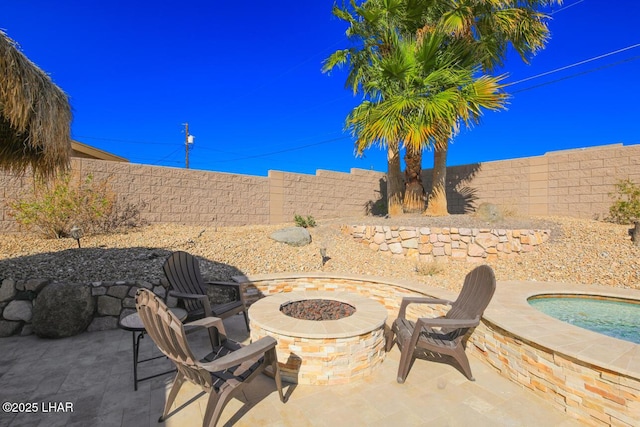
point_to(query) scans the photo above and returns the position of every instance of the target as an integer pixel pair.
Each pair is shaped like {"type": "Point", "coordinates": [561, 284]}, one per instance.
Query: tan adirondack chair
{"type": "Point", "coordinates": [223, 374]}
{"type": "Point", "coordinates": [443, 336]}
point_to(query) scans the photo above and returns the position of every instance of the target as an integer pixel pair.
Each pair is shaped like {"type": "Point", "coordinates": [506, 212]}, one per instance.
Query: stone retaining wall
{"type": "Point", "coordinates": [436, 244]}
{"type": "Point", "coordinates": [113, 300]}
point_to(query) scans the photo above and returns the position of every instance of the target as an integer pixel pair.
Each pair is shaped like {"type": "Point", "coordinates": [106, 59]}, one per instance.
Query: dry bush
{"type": "Point", "coordinates": [432, 268]}
{"type": "Point", "coordinates": [57, 205]}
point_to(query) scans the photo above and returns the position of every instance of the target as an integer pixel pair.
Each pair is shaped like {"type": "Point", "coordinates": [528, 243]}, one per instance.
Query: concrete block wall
{"type": "Point", "coordinates": [173, 195]}
{"type": "Point", "coordinates": [324, 195]}
{"type": "Point", "coordinates": [580, 180]}
{"type": "Point", "coordinates": [574, 183]}
{"type": "Point", "coordinates": [569, 183]}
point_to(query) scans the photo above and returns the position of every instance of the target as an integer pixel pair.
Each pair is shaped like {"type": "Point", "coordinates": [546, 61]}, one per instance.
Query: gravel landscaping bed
{"type": "Point", "coordinates": [580, 251]}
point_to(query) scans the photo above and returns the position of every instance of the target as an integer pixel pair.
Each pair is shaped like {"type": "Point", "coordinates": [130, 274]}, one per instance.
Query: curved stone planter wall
{"type": "Point", "coordinates": [436, 244]}
{"type": "Point", "coordinates": [113, 300]}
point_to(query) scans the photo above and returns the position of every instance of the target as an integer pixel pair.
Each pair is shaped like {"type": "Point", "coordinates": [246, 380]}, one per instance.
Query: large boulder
{"type": "Point", "coordinates": [62, 310]}
{"type": "Point", "coordinates": [294, 236]}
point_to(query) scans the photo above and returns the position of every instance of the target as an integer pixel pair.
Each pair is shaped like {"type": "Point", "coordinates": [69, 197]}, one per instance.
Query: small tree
{"type": "Point", "coordinates": [626, 206]}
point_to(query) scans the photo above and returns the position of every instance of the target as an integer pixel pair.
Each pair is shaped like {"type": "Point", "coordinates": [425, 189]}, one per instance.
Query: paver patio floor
{"type": "Point", "coordinates": [93, 371]}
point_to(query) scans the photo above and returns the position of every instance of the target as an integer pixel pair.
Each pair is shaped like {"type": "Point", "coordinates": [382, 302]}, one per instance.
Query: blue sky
{"type": "Point", "coordinates": [246, 77]}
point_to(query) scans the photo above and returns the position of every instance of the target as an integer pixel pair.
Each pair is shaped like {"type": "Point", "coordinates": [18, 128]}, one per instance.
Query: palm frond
{"type": "Point", "coordinates": [35, 116]}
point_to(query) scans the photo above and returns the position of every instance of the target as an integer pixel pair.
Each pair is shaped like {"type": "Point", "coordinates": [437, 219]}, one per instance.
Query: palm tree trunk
{"type": "Point", "coordinates": [394, 181]}
{"type": "Point", "coordinates": [414, 194]}
{"type": "Point", "coordinates": [437, 201]}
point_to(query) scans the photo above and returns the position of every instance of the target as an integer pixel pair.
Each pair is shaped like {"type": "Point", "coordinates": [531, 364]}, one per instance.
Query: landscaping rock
{"type": "Point", "coordinates": [35, 285]}
{"type": "Point", "coordinates": [118, 291]}
{"type": "Point", "coordinates": [160, 291]}
{"type": "Point", "coordinates": [219, 294]}
{"type": "Point", "coordinates": [18, 310]}
{"type": "Point", "coordinates": [109, 306]}
{"type": "Point", "coordinates": [62, 310]}
{"type": "Point", "coordinates": [8, 328]}
{"type": "Point", "coordinates": [7, 290]}
{"type": "Point", "coordinates": [294, 236]}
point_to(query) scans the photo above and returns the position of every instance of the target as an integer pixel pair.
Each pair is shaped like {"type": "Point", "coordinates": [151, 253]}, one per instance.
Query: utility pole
{"type": "Point", "coordinates": [188, 139]}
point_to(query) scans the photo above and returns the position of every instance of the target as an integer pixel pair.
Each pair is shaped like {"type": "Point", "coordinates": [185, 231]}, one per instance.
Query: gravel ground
{"type": "Point", "coordinates": [580, 251]}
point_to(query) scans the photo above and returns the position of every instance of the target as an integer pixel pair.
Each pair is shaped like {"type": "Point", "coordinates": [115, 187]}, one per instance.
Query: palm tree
{"type": "Point", "coordinates": [414, 194]}
{"type": "Point", "coordinates": [418, 92]}
{"type": "Point", "coordinates": [487, 26]}
{"type": "Point", "coordinates": [490, 26]}
{"type": "Point", "coordinates": [372, 26]}
{"type": "Point", "coordinates": [35, 116]}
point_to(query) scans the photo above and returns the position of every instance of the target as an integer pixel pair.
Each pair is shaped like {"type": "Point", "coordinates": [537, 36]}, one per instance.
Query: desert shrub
{"type": "Point", "coordinates": [377, 208]}
{"type": "Point", "coordinates": [494, 213]}
{"type": "Point", "coordinates": [307, 222]}
{"type": "Point", "coordinates": [55, 206]}
{"type": "Point", "coordinates": [626, 205]}
{"type": "Point", "coordinates": [432, 268]}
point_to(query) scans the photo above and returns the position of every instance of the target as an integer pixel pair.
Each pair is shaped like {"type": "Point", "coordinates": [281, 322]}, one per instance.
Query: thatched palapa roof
{"type": "Point", "coordinates": [35, 116]}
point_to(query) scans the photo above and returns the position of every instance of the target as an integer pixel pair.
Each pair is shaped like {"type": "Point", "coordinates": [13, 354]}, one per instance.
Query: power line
{"type": "Point", "coordinates": [287, 150]}
{"type": "Point", "coordinates": [578, 74]}
{"type": "Point", "coordinates": [566, 67]}
{"type": "Point", "coordinates": [167, 156]}
{"type": "Point", "coordinates": [124, 140]}
{"type": "Point", "coordinates": [566, 7]}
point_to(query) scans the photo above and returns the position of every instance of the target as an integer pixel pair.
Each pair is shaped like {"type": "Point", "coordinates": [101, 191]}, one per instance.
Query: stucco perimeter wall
{"type": "Point", "coordinates": [573, 183]}
{"type": "Point", "coordinates": [182, 196]}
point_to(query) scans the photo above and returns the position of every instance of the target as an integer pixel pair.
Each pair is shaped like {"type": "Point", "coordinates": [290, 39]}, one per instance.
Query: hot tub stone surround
{"type": "Point", "coordinates": [592, 377]}
{"type": "Point", "coordinates": [431, 243]}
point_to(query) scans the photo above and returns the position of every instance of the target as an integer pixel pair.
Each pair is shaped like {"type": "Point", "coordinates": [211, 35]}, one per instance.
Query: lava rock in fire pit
{"type": "Point", "coordinates": [317, 309]}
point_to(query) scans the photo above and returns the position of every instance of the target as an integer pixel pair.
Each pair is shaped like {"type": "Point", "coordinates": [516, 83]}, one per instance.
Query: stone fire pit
{"type": "Point", "coordinates": [322, 352]}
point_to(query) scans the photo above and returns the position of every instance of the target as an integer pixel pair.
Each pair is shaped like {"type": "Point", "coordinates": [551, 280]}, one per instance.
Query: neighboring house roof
{"type": "Point", "coordinates": [88, 152]}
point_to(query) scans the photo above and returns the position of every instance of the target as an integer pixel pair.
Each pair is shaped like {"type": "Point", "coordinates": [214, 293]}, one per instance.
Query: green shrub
{"type": "Point", "coordinates": [55, 206]}
{"type": "Point", "coordinates": [304, 222]}
{"type": "Point", "coordinates": [626, 205]}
